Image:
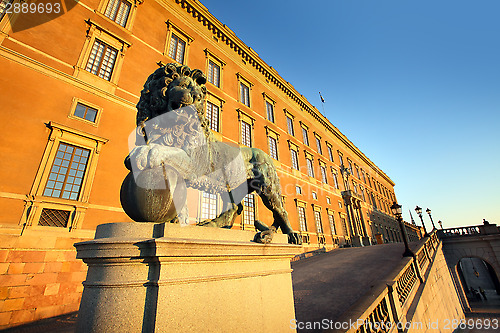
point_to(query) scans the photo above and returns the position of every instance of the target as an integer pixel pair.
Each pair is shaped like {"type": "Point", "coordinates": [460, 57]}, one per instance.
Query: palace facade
{"type": "Point", "coordinates": [70, 84]}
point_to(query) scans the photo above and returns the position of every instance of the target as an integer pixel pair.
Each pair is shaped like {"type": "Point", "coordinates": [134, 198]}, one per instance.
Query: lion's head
{"type": "Point", "coordinates": [171, 87]}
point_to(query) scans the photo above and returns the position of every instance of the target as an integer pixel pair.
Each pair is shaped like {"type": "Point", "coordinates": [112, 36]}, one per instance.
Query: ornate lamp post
{"type": "Point", "coordinates": [396, 210]}
{"type": "Point", "coordinates": [428, 211]}
{"type": "Point", "coordinates": [419, 212]}
{"type": "Point", "coordinates": [440, 224]}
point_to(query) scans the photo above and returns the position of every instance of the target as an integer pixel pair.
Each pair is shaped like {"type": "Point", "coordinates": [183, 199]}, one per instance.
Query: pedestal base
{"type": "Point", "coordinates": [145, 277]}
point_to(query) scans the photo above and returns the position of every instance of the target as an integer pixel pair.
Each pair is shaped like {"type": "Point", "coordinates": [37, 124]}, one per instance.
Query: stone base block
{"type": "Point", "coordinates": [145, 277]}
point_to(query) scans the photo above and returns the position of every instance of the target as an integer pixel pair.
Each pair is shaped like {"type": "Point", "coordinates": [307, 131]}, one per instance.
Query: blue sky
{"type": "Point", "coordinates": [414, 84]}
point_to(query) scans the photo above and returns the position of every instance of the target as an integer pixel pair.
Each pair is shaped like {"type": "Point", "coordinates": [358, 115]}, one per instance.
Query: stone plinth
{"type": "Point", "coordinates": [167, 278]}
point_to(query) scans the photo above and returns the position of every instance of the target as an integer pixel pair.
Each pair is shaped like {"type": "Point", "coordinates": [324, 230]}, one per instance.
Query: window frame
{"type": "Point", "coordinates": [272, 134]}
{"type": "Point", "coordinates": [318, 144]}
{"type": "Point", "coordinates": [210, 201]}
{"type": "Point", "coordinates": [75, 103]}
{"type": "Point", "coordinates": [96, 31]}
{"type": "Point", "coordinates": [335, 178]}
{"type": "Point", "coordinates": [310, 166]}
{"type": "Point", "coordinates": [212, 58]}
{"type": "Point", "coordinates": [173, 29]}
{"type": "Point", "coordinates": [103, 5]}
{"type": "Point", "coordinates": [295, 154]}
{"type": "Point", "coordinates": [305, 134]}
{"type": "Point", "coordinates": [219, 102]}
{"type": "Point", "coordinates": [324, 177]}
{"type": "Point", "coordinates": [318, 221]}
{"type": "Point", "coordinates": [244, 117]}
{"type": "Point", "coordinates": [242, 81]}
{"type": "Point", "coordinates": [290, 126]}
{"type": "Point", "coordinates": [330, 152]}
{"type": "Point", "coordinates": [245, 211]}
{"type": "Point", "coordinates": [37, 201]}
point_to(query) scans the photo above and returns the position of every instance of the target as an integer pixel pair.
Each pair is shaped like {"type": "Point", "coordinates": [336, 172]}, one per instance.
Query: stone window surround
{"type": "Point", "coordinates": [95, 31]}
{"type": "Point", "coordinates": [173, 28]}
{"type": "Point", "coordinates": [210, 56]}
{"type": "Point", "coordinates": [245, 117]}
{"type": "Point", "coordinates": [76, 101]}
{"type": "Point", "coordinates": [217, 101]}
{"type": "Point", "coordinates": [35, 201]}
{"type": "Point", "coordinates": [243, 80]}
{"type": "Point", "coordinates": [103, 4]}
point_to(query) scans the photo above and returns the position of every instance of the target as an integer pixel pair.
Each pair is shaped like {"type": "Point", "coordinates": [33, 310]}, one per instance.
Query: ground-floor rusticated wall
{"type": "Point", "coordinates": [40, 276]}
{"type": "Point", "coordinates": [438, 306]}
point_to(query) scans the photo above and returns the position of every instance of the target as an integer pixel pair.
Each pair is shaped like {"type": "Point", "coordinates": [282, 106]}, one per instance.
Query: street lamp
{"type": "Point", "coordinates": [396, 210]}
{"type": "Point", "coordinates": [419, 212]}
{"type": "Point", "coordinates": [428, 211]}
{"type": "Point", "coordinates": [440, 224]}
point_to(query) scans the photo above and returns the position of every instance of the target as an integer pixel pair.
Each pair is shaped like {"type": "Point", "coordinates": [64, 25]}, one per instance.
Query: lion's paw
{"type": "Point", "coordinates": [264, 237]}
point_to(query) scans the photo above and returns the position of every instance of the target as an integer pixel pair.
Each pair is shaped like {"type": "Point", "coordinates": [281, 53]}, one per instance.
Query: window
{"type": "Point", "coordinates": [363, 174]}
{"type": "Point", "coordinates": [213, 116]}
{"type": "Point", "coordinates": [101, 60]}
{"type": "Point", "coordinates": [330, 153]}
{"type": "Point", "coordinates": [323, 174]}
{"type": "Point", "coordinates": [54, 218]}
{"type": "Point", "coordinates": [362, 193]}
{"type": "Point", "coordinates": [335, 180]}
{"type": "Point", "coordinates": [298, 189]}
{"type": "Point", "coordinates": [177, 48]}
{"type": "Point", "coordinates": [244, 94]}
{"type": "Point", "coordinates": [315, 195]}
{"type": "Point", "coordinates": [369, 182]}
{"type": "Point", "coordinates": [305, 136]}
{"type": "Point", "coordinates": [66, 174]}
{"type": "Point", "coordinates": [340, 204]}
{"type": "Point", "coordinates": [295, 159]}
{"type": "Point", "coordinates": [357, 172]}
{"type": "Point", "coordinates": [85, 112]}
{"type": "Point", "coordinates": [273, 147]}
{"type": "Point", "coordinates": [289, 125]}
{"type": "Point", "coordinates": [318, 144]}
{"type": "Point", "coordinates": [248, 209]}
{"type": "Point", "coordinates": [341, 160]}
{"type": "Point", "coordinates": [213, 73]}
{"type": "Point", "coordinates": [246, 134]}
{"type": "Point", "coordinates": [331, 221]}
{"type": "Point", "coordinates": [118, 11]}
{"type": "Point", "coordinates": [317, 219]}
{"type": "Point", "coordinates": [208, 206]}
{"type": "Point", "coordinates": [344, 226]}
{"type": "Point", "coordinates": [350, 166]}
{"type": "Point", "coordinates": [302, 218]}
{"type": "Point", "coordinates": [270, 111]}
{"type": "Point", "coordinates": [328, 201]}
{"type": "Point", "coordinates": [354, 187]}
{"type": "Point", "coordinates": [310, 170]}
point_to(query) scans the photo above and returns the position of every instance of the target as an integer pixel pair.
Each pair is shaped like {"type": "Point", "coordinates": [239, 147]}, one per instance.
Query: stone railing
{"type": "Point", "coordinates": [390, 300]}
{"type": "Point", "coordinates": [475, 230]}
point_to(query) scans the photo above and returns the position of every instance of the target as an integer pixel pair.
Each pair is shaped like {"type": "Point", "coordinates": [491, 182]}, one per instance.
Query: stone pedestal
{"type": "Point", "coordinates": [145, 277]}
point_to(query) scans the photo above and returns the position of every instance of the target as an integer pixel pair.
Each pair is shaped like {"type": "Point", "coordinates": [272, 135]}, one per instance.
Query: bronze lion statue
{"type": "Point", "coordinates": [174, 150]}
